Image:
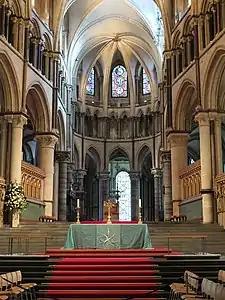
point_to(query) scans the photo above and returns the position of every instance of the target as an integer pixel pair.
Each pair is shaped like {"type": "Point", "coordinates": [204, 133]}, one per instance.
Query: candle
{"type": "Point", "coordinates": [140, 203]}
{"type": "Point", "coordinates": [78, 203]}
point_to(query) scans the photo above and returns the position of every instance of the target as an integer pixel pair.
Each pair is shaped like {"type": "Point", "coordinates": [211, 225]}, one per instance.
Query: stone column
{"type": "Point", "coordinates": [80, 183]}
{"type": "Point", "coordinates": [47, 143]}
{"type": "Point", "coordinates": [167, 193]}
{"type": "Point", "coordinates": [18, 121]}
{"type": "Point", "coordinates": [135, 193]}
{"type": "Point", "coordinates": [157, 173]}
{"type": "Point", "coordinates": [103, 191]}
{"type": "Point", "coordinates": [178, 143]}
{"type": "Point", "coordinates": [206, 166]}
{"type": "Point", "coordinates": [63, 158]}
{"type": "Point", "coordinates": [56, 191]}
{"type": "Point", "coordinates": [2, 196]}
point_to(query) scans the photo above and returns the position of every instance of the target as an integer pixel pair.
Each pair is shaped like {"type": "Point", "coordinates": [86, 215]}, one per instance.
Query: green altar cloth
{"type": "Point", "coordinates": [108, 236]}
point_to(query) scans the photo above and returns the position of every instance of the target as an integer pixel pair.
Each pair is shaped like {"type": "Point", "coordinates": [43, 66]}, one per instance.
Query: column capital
{"type": "Point", "coordinates": [103, 175]}
{"type": "Point", "coordinates": [47, 140]}
{"type": "Point", "coordinates": [202, 118]}
{"type": "Point", "coordinates": [62, 156]}
{"type": "Point", "coordinates": [177, 139]}
{"type": "Point", "coordinates": [134, 175]}
{"type": "Point", "coordinates": [166, 156]}
{"type": "Point", "coordinates": [81, 173]}
{"type": "Point", "coordinates": [156, 172]}
{"type": "Point", "coordinates": [17, 120]}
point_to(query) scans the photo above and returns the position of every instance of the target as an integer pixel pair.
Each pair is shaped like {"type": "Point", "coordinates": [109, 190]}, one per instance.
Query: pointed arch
{"type": "Point", "coordinates": [94, 154]}
{"type": "Point", "coordinates": [184, 105]}
{"type": "Point", "coordinates": [38, 108]}
{"type": "Point", "coordinates": [76, 157]}
{"type": "Point", "coordinates": [10, 84]}
{"type": "Point", "coordinates": [212, 79]}
{"type": "Point", "coordinates": [143, 152]}
{"type": "Point", "coordinates": [118, 152]}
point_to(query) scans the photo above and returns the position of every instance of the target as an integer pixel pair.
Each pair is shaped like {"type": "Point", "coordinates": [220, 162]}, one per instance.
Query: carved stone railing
{"type": "Point", "coordinates": [32, 181]}
{"type": "Point", "coordinates": [219, 195]}
{"type": "Point", "coordinates": [191, 181]}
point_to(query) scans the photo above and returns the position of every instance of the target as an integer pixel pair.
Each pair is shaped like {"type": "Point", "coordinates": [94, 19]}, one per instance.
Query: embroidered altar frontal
{"type": "Point", "coordinates": [108, 236]}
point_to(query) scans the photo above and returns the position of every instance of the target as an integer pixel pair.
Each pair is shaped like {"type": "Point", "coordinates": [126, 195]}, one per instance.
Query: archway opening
{"type": "Point", "coordinates": [120, 184]}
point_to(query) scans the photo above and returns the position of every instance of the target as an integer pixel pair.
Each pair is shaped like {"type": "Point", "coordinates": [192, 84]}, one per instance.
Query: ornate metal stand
{"type": "Point", "coordinates": [109, 204]}
{"type": "Point", "coordinates": [139, 216]}
{"type": "Point", "coordinates": [78, 215]}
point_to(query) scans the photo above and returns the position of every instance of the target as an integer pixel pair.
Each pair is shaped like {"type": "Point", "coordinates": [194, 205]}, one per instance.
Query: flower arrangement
{"type": "Point", "coordinates": [15, 199]}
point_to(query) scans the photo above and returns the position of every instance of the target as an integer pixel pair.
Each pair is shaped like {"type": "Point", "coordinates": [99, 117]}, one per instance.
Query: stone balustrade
{"type": "Point", "coordinates": [32, 181]}
{"type": "Point", "coordinates": [191, 181]}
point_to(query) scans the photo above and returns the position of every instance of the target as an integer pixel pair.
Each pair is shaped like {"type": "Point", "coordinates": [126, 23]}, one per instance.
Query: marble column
{"type": "Point", "coordinates": [167, 185]}
{"type": "Point", "coordinates": [157, 173]}
{"type": "Point", "coordinates": [63, 158]}
{"type": "Point", "coordinates": [135, 193]}
{"type": "Point", "coordinates": [47, 143]}
{"type": "Point", "coordinates": [103, 191]}
{"type": "Point", "coordinates": [178, 144]}
{"type": "Point", "coordinates": [206, 166]}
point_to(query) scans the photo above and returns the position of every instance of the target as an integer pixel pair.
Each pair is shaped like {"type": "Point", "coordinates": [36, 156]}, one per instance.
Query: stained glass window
{"type": "Point", "coordinates": [146, 88]}
{"type": "Point", "coordinates": [90, 88]}
{"type": "Point", "coordinates": [124, 187]}
{"type": "Point", "coordinates": [119, 82]}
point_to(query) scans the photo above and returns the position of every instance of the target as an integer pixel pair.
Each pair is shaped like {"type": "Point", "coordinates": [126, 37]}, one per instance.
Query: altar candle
{"type": "Point", "coordinates": [140, 203]}
{"type": "Point", "coordinates": [78, 203]}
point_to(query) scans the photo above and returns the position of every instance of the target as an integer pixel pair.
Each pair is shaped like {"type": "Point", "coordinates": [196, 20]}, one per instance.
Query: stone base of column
{"type": "Point", "coordinates": [176, 207]}
{"type": "Point", "coordinates": [207, 208]}
{"type": "Point", "coordinates": [48, 208]}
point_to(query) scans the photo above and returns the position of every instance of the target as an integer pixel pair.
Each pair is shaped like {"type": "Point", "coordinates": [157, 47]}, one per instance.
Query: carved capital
{"type": "Point", "coordinates": [103, 176]}
{"type": "Point", "coordinates": [166, 156]}
{"type": "Point", "coordinates": [46, 140]}
{"type": "Point", "coordinates": [178, 139]}
{"type": "Point", "coordinates": [17, 120]}
{"type": "Point", "coordinates": [202, 118]}
{"type": "Point", "coordinates": [156, 172]}
{"type": "Point", "coordinates": [62, 156]}
{"type": "Point", "coordinates": [134, 176]}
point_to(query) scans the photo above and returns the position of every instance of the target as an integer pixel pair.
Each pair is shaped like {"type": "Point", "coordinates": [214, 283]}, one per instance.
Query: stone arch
{"type": "Point", "coordinates": [187, 25]}
{"type": "Point", "coordinates": [186, 99]}
{"type": "Point", "coordinates": [76, 157]}
{"type": "Point", "coordinates": [16, 8]}
{"type": "Point", "coordinates": [35, 29]}
{"type": "Point", "coordinates": [62, 131]}
{"type": "Point", "coordinates": [94, 154]}
{"type": "Point", "coordinates": [119, 151]}
{"type": "Point", "coordinates": [205, 6]}
{"type": "Point", "coordinates": [213, 79]}
{"type": "Point", "coordinates": [38, 108]}
{"type": "Point", "coordinates": [48, 43]}
{"type": "Point", "coordinates": [176, 39]}
{"type": "Point", "coordinates": [143, 152]}
{"type": "Point", "coordinates": [10, 85]}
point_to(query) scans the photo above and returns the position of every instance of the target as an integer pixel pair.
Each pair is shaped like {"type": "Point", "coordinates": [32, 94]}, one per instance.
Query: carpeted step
{"type": "Point", "coordinates": [105, 260]}
{"type": "Point", "coordinates": [115, 266]}
{"type": "Point", "coordinates": [103, 285]}
{"type": "Point", "coordinates": [107, 251]}
{"type": "Point", "coordinates": [105, 272]}
{"type": "Point", "coordinates": [109, 278]}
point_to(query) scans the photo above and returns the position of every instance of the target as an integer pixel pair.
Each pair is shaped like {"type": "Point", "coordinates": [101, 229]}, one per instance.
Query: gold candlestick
{"type": "Point", "coordinates": [109, 204]}
{"type": "Point", "coordinates": [139, 216]}
{"type": "Point", "coordinates": [78, 215]}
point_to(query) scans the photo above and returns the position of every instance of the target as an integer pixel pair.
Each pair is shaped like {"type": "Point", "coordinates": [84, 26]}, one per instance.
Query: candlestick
{"type": "Point", "coordinates": [139, 202]}
{"type": "Point", "coordinates": [78, 202]}
{"type": "Point", "coordinates": [139, 216]}
{"type": "Point", "coordinates": [109, 204]}
{"type": "Point", "coordinates": [78, 215]}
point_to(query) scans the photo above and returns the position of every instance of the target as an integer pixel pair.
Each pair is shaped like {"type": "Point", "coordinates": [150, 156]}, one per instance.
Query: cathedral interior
{"type": "Point", "coordinates": [114, 99]}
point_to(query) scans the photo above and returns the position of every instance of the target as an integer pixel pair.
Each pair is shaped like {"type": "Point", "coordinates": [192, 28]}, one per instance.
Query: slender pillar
{"type": "Point", "coordinates": [178, 144]}
{"type": "Point", "coordinates": [47, 143]}
{"type": "Point", "coordinates": [135, 193]}
{"type": "Point", "coordinates": [80, 174]}
{"type": "Point", "coordinates": [157, 173]}
{"type": "Point", "coordinates": [206, 166]}
{"type": "Point", "coordinates": [167, 185]}
{"type": "Point", "coordinates": [2, 195]}
{"type": "Point", "coordinates": [56, 191]}
{"type": "Point", "coordinates": [63, 158]}
{"type": "Point", "coordinates": [103, 191]}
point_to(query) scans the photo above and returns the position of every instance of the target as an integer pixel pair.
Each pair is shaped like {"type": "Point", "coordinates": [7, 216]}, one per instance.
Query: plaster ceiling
{"type": "Point", "coordinates": [93, 25]}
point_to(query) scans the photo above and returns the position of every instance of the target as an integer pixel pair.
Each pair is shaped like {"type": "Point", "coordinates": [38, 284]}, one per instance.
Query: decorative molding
{"type": "Point", "coordinates": [134, 176]}
{"type": "Point", "coordinates": [157, 173]}
{"type": "Point", "coordinates": [178, 139]}
{"type": "Point", "coordinates": [202, 118]}
{"type": "Point", "coordinates": [166, 156]}
{"type": "Point", "coordinates": [17, 120]}
{"type": "Point", "coordinates": [62, 156]}
{"type": "Point", "coordinates": [47, 140]}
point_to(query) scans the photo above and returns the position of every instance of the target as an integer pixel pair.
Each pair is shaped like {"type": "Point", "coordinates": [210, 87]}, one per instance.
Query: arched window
{"type": "Point", "coordinates": [146, 88]}
{"type": "Point", "coordinates": [90, 88]}
{"type": "Point", "coordinates": [124, 186]}
{"type": "Point", "coordinates": [119, 82]}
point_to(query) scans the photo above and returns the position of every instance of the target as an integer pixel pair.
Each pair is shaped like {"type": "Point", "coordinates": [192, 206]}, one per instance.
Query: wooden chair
{"type": "Point", "coordinates": [29, 287]}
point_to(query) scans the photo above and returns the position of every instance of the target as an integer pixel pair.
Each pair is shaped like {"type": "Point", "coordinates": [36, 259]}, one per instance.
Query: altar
{"type": "Point", "coordinates": [108, 236]}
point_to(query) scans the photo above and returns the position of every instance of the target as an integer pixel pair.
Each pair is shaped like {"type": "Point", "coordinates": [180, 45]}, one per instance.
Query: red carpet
{"type": "Point", "coordinates": [129, 273]}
